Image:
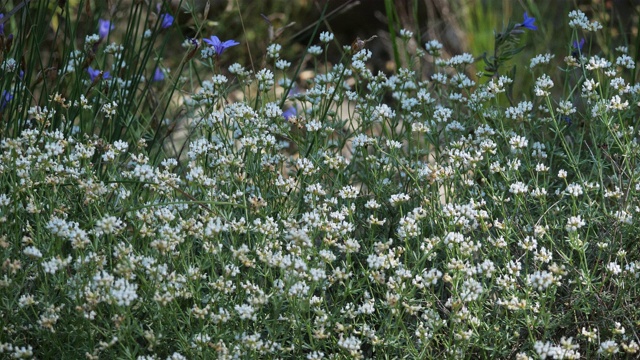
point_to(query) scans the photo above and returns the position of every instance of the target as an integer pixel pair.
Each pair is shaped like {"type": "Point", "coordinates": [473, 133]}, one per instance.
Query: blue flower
{"type": "Point", "coordinates": [4, 99]}
{"type": "Point", "coordinates": [290, 113]}
{"type": "Point", "coordinates": [95, 73]}
{"type": "Point", "coordinates": [294, 91]}
{"type": "Point", "coordinates": [577, 48]}
{"type": "Point", "coordinates": [528, 22]}
{"type": "Point", "coordinates": [166, 20]}
{"type": "Point", "coordinates": [1, 24]}
{"type": "Point", "coordinates": [158, 75]}
{"type": "Point", "coordinates": [218, 46]}
{"type": "Point", "coordinates": [104, 27]}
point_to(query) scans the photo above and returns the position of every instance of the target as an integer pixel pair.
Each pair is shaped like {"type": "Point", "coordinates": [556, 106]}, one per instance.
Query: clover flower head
{"type": "Point", "coordinates": [527, 23]}
{"type": "Point", "coordinates": [314, 50]}
{"type": "Point", "coordinates": [326, 37]}
{"type": "Point", "coordinates": [104, 27]}
{"type": "Point", "coordinates": [577, 19]}
{"type": "Point", "coordinates": [218, 45]}
{"type": "Point", "coordinates": [406, 34]}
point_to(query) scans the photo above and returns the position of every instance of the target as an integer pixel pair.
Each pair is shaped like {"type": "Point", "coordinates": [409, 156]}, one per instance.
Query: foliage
{"type": "Point", "coordinates": [349, 215]}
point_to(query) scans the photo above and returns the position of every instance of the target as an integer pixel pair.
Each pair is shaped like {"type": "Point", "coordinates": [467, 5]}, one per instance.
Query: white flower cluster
{"type": "Point", "coordinates": [578, 19]}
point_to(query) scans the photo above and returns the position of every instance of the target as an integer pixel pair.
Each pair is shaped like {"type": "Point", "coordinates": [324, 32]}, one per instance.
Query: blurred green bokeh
{"type": "Point", "coordinates": [461, 25]}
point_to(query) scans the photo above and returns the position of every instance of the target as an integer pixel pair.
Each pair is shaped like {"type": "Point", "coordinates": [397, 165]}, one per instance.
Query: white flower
{"type": "Point", "coordinates": [21, 352]}
{"type": "Point", "coordinates": [620, 85]}
{"type": "Point", "coordinates": [383, 113]}
{"type": "Point", "coordinates": [591, 335]}
{"type": "Point", "coordinates": [326, 37]}
{"type": "Point", "coordinates": [5, 200]}
{"type": "Point", "coordinates": [519, 112]}
{"type": "Point", "coordinates": [566, 108]}
{"type": "Point", "coordinates": [518, 142]}
{"type": "Point", "coordinates": [626, 61]}
{"type": "Point", "coordinates": [528, 243]}
{"type": "Point", "coordinates": [406, 34]}
{"type": "Point", "coordinates": [574, 189]}
{"type": "Point", "coordinates": [314, 50]}
{"type": "Point", "coordinates": [543, 85]}
{"type": "Point", "coordinates": [26, 300]}
{"type": "Point", "coordinates": [299, 289]}
{"type": "Point", "coordinates": [608, 347]}
{"type": "Point", "coordinates": [616, 103]}
{"type": "Point", "coordinates": [372, 204]}
{"type": "Point", "coordinates": [562, 173]}
{"type": "Point", "coordinates": [348, 192]}
{"type": "Point", "coordinates": [541, 59]}
{"type": "Point", "coordinates": [540, 280]}
{"type": "Point", "coordinates": [463, 59]}
{"type": "Point", "coordinates": [574, 223]}
{"type": "Point", "coordinates": [123, 292]}
{"type": "Point", "coordinates": [110, 109]}
{"type": "Point", "coordinates": [176, 356]}
{"type": "Point", "coordinates": [596, 62]}
{"type": "Point", "coordinates": [518, 188]}
{"type": "Point", "coordinates": [33, 252]}
{"type": "Point", "coordinates": [282, 64]}
{"type": "Point", "coordinates": [265, 79]}
{"type": "Point", "coordinates": [442, 114]}
{"type": "Point", "coordinates": [246, 312]}
{"type": "Point", "coordinates": [108, 225]}
{"type": "Point", "coordinates": [273, 51]}
{"type": "Point", "coordinates": [396, 199]}
{"type": "Point", "coordinates": [316, 355]}
{"type": "Point", "coordinates": [632, 347]}
{"type": "Point", "coordinates": [614, 268]}
{"type": "Point", "coordinates": [539, 192]}
{"type": "Point", "coordinates": [577, 19]}
{"type": "Point", "coordinates": [351, 344]}
{"type": "Point", "coordinates": [433, 47]}
{"type": "Point", "coordinates": [623, 217]}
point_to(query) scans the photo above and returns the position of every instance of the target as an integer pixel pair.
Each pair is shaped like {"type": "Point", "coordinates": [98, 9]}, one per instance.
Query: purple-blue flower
{"type": "Point", "coordinates": [218, 46]}
{"type": "Point", "coordinates": [158, 75]}
{"type": "Point", "coordinates": [4, 99]}
{"type": "Point", "coordinates": [166, 20]}
{"type": "Point", "coordinates": [290, 113]}
{"type": "Point", "coordinates": [94, 73]}
{"type": "Point", "coordinates": [1, 24]}
{"type": "Point", "coordinates": [528, 22]}
{"type": "Point", "coordinates": [577, 48]}
{"type": "Point", "coordinates": [294, 91]}
{"type": "Point", "coordinates": [104, 27]}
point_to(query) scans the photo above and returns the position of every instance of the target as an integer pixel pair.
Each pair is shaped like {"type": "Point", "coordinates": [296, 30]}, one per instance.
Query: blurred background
{"type": "Point", "coordinates": [460, 25]}
{"type": "Point", "coordinates": [54, 28]}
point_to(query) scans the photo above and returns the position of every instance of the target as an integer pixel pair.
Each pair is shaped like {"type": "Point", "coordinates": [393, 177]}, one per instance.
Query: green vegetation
{"type": "Point", "coordinates": [188, 185]}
